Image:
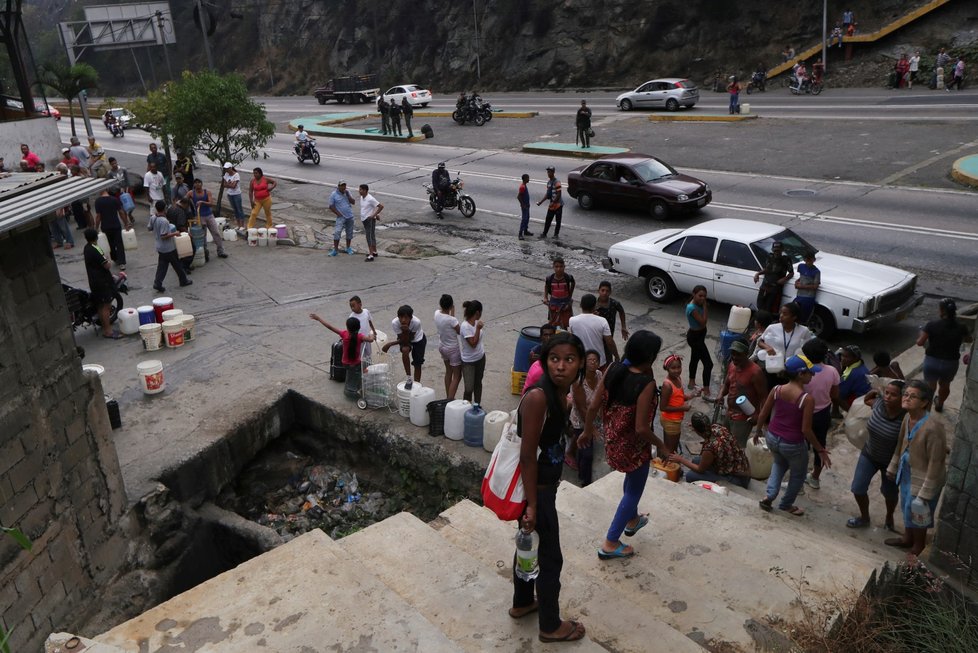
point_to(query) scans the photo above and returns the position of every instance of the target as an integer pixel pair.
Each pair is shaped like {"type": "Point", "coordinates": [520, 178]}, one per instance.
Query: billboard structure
{"type": "Point", "coordinates": [111, 27]}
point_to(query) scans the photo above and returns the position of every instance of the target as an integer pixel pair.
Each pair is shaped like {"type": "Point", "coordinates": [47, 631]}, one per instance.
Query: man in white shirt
{"type": "Point", "coordinates": [370, 210]}
{"type": "Point", "coordinates": [232, 186]}
{"type": "Point", "coordinates": [410, 339]}
{"type": "Point", "coordinates": [593, 330]}
{"type": "Point", "coordinates": [302, 139]}
{"type": "Point", "coordinates": [154, 181]}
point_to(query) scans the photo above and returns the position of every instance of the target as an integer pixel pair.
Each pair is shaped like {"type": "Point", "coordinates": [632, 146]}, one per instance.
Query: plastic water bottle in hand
{"type": "Point", "coordinates": [919, 513]}
{"type": "Point", "coordinates": [527, 554]}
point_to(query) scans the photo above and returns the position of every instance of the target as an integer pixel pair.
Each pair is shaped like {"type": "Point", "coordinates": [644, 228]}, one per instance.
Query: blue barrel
{"type": "Point", "coordinates": [198, 236]}
{"type": "Point", "coordinates": [727, 338]}
{"type": "Point", "coordinates": [529, 338]}
{"type": "Point", "coordinates": [475, 417]}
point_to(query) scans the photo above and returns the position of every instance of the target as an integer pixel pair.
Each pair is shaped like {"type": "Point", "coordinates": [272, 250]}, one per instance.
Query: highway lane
{"type": "Point", "coordinates": [932, 232]}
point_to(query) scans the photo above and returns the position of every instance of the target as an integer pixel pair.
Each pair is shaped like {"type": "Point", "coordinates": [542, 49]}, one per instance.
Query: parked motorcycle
{"type": "Point", "coordinates": [83, 311]}
{"type": "Point", "coordinates": [807, 86]}
{"type": "Point", "coordinates": [472, 109]}
{"type": "Point", "coordinates": [758, 82]}
{"type": "Point", "coordinates": [306, 153]}
{"type": "Point", "coordinates": [455, 198]}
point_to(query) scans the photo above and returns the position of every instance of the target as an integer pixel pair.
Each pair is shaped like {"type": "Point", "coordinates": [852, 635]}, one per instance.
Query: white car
{"type": "Point", "coordinates": [416, 96]}
{"type": "Point", "coordinates": [670, 93]}
{"type": "Point", "coordinates": [123, 116]}
{"type": "Point", "coordinates": [723, 255]}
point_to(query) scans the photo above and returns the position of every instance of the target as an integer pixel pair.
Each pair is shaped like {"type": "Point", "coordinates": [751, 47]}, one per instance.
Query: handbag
{"type": "Point", "coordinates": [590, 133]}
{"type": "Point", "coordinates": [502, 485]}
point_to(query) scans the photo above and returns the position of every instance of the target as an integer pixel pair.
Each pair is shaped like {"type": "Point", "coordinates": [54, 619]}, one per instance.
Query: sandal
{"type": "Point", "coordinates": [643, 521]}
{"type": "Point", "coordinates": [890, 527]}
{"type": "Point", "coordinates": [570, 461]}
{"type": "Point", "coordinates": [765, 504]}
{"type": "Point", "coordinates": [115, 336]}
{"type": "Point", "coordinates": [519, 613]}
{"type": "Point", "coordinates": [857, 522]}
{"type": "Point", "coordinates": [793, 510]}
{"type": "Point", "coordinates": [576, 632]}
{"type": "Point", "coordinates": [897, 542]}
{"type": "Point", "coordinates": [619, 552]}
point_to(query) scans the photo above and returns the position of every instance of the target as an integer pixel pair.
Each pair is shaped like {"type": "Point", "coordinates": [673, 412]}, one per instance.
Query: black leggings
{"type": "Point", "coordinates": [699, 352]}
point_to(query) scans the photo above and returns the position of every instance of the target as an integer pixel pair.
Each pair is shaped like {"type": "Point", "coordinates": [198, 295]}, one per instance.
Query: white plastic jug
{"type": "Point", "coordinates": [419, 405]}
{"type": "Point", "coordinates": [129, 239]}
{"type": "Point", "coordinates": [103, 243]}
{"type": "Point", "coordinates": [760, 459]}
{"type": "Point", "coordinates": [129, 321]}
{"type": "Point", "coordinates": [739, 319]}
{"type": "Point", "coordinates": [492, 428]}
{"type": "Point", "coordinates": [230, 235]}
{"type": "Point", "coordinates": [185, 246]}
{"type": "Point", "coordinates": [455, 419]}
{"type": "Point", "coordinates": [774, 363]}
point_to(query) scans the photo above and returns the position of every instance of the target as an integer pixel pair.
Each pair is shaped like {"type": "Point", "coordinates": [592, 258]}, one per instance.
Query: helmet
{"type": "Point", "coordinates": [441, 165]}
{"type": "Point", "coordinates": [301, 127]}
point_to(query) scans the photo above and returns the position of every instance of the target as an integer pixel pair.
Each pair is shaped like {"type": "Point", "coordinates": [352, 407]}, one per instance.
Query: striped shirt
{"type": "Point", "coordinates": [883, 434]}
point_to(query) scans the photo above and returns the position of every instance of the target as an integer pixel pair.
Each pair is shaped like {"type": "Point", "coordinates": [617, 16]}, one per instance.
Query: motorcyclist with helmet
{"type": "Point", "coordinates": [441, 181]}
{"type": "Point", "coordinates": [302, 141]}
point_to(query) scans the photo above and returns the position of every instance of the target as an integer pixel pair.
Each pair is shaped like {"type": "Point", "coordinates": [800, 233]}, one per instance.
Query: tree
{"type": "Point", "coordinates": [212, 114]}
{"type": "Point", "coordinates": [69, 82]}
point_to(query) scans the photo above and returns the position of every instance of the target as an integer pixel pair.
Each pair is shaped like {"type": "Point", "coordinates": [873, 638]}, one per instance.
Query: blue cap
{"type": "Point", "coordinates": [797, 364]}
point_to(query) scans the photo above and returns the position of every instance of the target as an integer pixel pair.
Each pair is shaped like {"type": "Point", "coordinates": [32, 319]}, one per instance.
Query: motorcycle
{"type": "Point", "coordinates": [758, 82]}
{"type": "Point", "coordinates": [472, 109]}
{"type": "Point", "coordinates": [806, 86]}
{"type": "Point", "coordinates": [455, 198]}
{"type": "Point", "coordinates": [117, 130]}
{"type": "Point", "coordinates": [306, 153]}
{"type": "Point", "coordinates": [83, 311]}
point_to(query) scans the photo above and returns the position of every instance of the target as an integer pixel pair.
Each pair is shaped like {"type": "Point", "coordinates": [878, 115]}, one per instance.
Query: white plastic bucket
{"type": "Point", "coordinates": [774, 363]}
{"type": "Point", "coordinates": [129, 321]}
{"type": "Point", "coordinates": [253, 237]}
{"type": "Point", "coordinates": [455, 419]}
{"type": "Point", "coordinates": [185, 247]}
{"type": "Point", "coordinates": [739, 319]}
{"type": "Point", "coordinates": [272, 238]}
{"type": "Point", "coordinates": [188, 324]}
{"type": "Point", "coordinates": [152, 335]}
{"type": "Point", "coordinates": [419, 406]}
{"type": "Point", "coordinates": [262, 237]}
{"type": "Point", "coordinates": [172, 314]}
{"type": "Point", "coordinates": [93, 367]}
{"type": "Point", "coordinates": [173, 333]}
{"type": "Point", "coordinates": [744, 108]}
{"type": "Point", "coordinates": [230, 235]}
{"type": "Point", "coordinates": [129, 239]}
{"type": "Point", "coordinates": [404, 398]}
{"type": "Point", "coordinates": [151, 377]}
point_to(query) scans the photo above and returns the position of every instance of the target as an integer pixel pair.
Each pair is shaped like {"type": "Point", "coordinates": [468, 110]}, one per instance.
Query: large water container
{"type": "Point", "coordinates": [529, 338]}
{"type": "Point", "coordinates": [760, 459]}
{"type": "Point", "coordinates": [376, 385]}
{"type": "Point", "coordinates": [472, 431]}
{"type": "Point", "coordinates": [436, 411]}
{"type": "Point", "coordinates": [492, 428]}
{"type": "Point", "coordinates": [404, 394]}
{"type": "Point", "coordinates": [419, 406]}
{"type": "Point", "coordinates": [739, 319]}
{"type": "Point", "coordinates": [185, 246]}
{"type": "Point", "coordinates": [455, 419]}
{"type": "Point", "coordinates": [103, 243]}
{"type": "Point", "coordinates": [727, 338]}
{"type": "Point", "coordinates": [129, 320]}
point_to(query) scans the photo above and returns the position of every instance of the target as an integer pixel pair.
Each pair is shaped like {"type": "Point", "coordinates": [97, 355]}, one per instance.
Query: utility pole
{"type": "Point", "coordinates": [203, 32]}
{"type": "Point", "coordinates": [475, 28]}
{"type": "Point", "coordinates": [166, 52]}
{"type": "Point", "coordinates": [825, 35]}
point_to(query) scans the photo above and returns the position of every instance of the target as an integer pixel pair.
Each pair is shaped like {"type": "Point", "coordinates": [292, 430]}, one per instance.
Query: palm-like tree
{"type": "Point", "coordinates": [69, 82]}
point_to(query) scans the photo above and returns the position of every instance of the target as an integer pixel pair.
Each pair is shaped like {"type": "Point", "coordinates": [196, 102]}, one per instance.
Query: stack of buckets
{"type": "Point", "coordinates": [158, 325]}
{"type": "Point", "coordinates": [529, 338]}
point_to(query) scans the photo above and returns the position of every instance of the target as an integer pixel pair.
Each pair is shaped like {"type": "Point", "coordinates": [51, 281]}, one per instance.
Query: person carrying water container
{"type": "Point", "coordinates": [353, 339]}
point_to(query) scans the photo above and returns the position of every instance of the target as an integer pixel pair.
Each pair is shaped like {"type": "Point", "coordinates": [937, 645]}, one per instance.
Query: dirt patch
{"type": "Point", "coordinates": [411, 249]}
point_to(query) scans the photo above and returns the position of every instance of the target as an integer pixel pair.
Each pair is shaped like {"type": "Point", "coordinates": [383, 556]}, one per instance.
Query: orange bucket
{"type": "Point", "coordinates": [671, 470]}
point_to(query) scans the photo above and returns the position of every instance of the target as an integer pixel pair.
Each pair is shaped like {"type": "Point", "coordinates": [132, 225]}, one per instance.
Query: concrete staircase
{"type": "Point", "coordinates": [701, 580]}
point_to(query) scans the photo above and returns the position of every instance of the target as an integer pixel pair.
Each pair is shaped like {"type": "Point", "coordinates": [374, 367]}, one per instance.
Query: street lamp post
{"type": "Point", "coordinates": [825, 27]}
{"type": "Point", "coordinates": [475, 28]}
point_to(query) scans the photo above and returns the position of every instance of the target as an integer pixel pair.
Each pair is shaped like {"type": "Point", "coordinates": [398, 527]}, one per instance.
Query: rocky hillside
{"type": "Point", "coordinates": [290, 46]}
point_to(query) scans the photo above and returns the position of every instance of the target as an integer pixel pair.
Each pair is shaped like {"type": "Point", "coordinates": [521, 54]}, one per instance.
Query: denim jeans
{"type": "Point", "coordinates": [236, 206]}
{"type": "Point", "coordinates": [790, 458]}
{"type": "Point", "coordinates": [632, 490]}
{"type": "Point", "coordinates": [61, 232]}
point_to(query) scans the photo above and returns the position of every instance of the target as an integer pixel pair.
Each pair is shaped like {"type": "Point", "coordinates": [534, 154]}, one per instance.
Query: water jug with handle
{"type": "Point", "coordinates": [475, 417]}
{"type": "Point", "coordinates": [919, 513]}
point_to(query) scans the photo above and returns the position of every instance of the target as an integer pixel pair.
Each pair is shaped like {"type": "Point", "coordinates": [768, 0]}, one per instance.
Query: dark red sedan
{"type": "Point", "coordinates": [638, 182]}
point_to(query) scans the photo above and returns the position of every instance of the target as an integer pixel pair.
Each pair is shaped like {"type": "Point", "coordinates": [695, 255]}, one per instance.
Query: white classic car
{"type": "Point", "coordinates": [723, 255]}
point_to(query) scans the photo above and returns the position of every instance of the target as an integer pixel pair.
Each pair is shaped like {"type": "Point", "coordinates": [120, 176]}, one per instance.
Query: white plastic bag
{"type": "Point", "coordinates": [856, 422]}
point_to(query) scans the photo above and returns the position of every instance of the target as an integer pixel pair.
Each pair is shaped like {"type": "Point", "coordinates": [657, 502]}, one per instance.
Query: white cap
{"type": "Point", "coordinates": [228, 165]}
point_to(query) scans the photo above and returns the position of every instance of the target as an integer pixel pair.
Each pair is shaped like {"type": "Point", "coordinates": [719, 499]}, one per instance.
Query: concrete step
{"type": "Point", "coordinates": [613, 616]}
{"type": "Point", "coordinates": [466, 598]}
{"type": "Point", "coordinates": [732, 537]}
{"type": "Point", "coordinates": [305, 595]}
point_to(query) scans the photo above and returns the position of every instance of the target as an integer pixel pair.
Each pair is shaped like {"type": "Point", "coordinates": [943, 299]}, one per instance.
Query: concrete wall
{"type": "Point", "coordinates": [956, 540]}
{"type": "Point", "coordinates": [59, 474]}
{"type": "Point", "coordinates": [41, 134]}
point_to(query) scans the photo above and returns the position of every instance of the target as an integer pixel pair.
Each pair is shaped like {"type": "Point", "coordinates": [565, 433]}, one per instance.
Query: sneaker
{"type": "Point", "coordinates": [812, 482]}
{"type": "Point", "coordinates": [520, 237]}
{"type": "Point", "coordinates": [349, 250]}
{"type": "Point", "coordinates": [527, 233]}
{"type": "Point", "coordinates": [189, 283]}
{"type": "Point", "coordinates": [221, 255]}
{"type": "Point", "coordinates": [542, 236]}
{"type": "Point", "coordinates": [159, 288]}
{"type": "Point", "coordinates": [369, 258]}
{"type": "Point", "coordinates": [333, 252]}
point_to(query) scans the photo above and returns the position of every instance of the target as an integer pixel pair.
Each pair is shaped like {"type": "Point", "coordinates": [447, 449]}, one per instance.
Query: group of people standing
{"type": "Point", "coordinates": [391, 113]}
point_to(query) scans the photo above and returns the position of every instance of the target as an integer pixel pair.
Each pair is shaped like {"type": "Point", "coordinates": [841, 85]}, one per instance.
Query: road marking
{"type": "Point", "coordinates": [844, 220]}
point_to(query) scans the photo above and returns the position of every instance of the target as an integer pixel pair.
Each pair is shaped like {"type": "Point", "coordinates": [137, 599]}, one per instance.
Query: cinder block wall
{"type": "Point", "coordinates": [59, 474]}
{"type": "Point", "coordinates": [956, 540]}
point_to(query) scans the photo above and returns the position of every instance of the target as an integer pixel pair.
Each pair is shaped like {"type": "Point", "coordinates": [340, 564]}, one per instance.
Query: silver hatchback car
{"type": "Point", "coordinates": [671, 93]}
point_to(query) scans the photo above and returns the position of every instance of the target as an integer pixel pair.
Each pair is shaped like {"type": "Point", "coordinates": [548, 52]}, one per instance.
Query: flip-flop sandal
{"type": "Point", "coordinates": [519, 613]}
{"type": "Point", "coordinates": [793, 510]}
{"type": "Point", "coordinates": [570, 461]}
{"type": "Point", "coordinates": [619, 552]}
{"type": "Point", "coordinates": [643, 521]}
{"type": "Point", "coordinates": [765, 504]}
{"type": "Point", "coordinates": [576, 633]}
{"type": "Point", "coordinates": [897, 542]}
{"type": "Point", "coordinates": [115, 336]}
{"type": "Point", "coordinates": [857, 522]}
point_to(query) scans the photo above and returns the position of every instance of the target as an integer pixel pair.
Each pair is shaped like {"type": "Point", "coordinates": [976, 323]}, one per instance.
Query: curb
{"type": "Point", "coordinates": [965, 170]}
{"type": "Point", "coordinates": [701, 117]}
{"type": "Point", "coordinates": [322, 128]}
{"type": "Point", "coordinates": [546, 148]}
